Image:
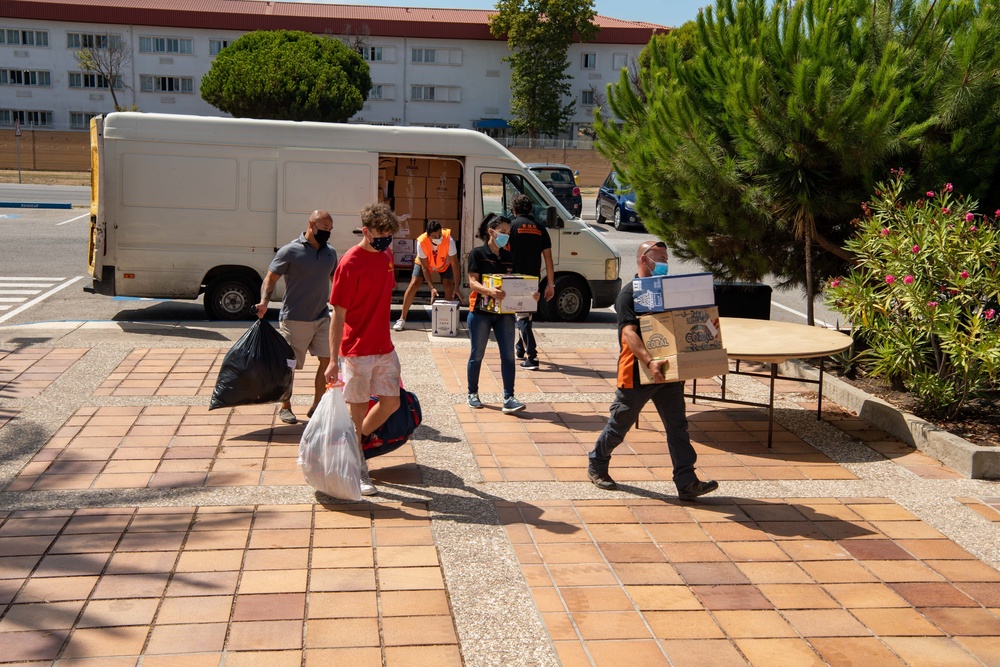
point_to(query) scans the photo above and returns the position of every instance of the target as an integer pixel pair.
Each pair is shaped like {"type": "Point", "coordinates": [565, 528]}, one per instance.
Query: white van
{"type": "Point", "coordinates": [183, 205]}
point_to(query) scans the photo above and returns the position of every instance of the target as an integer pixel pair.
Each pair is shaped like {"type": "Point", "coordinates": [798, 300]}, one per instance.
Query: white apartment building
{"type": "Point", "coordinates": [431, 67]}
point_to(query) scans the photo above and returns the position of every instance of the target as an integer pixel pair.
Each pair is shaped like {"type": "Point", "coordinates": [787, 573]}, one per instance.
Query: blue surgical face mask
{"type": "Point", "coordinates": [502, 239]}
{"type": "Point", "coordinates": [660, 268]}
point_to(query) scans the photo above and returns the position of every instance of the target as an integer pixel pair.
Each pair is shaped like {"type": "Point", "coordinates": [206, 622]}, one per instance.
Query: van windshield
{"type": "Point", "coordinates": [499, 190]}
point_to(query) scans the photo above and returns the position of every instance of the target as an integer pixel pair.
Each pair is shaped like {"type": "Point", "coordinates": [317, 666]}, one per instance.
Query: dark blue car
{"type": "Point", "coordinates": [616, 202]}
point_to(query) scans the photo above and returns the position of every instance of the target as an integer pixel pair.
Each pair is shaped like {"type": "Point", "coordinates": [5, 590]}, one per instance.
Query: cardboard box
{"type": "Point", "coordinates": [411, 167]}
{"type": "Point", "coordinates": [442, 208]}
{"type": "Point", "coordinates": [684, 330]}
{"type": "Point", "coordinates": [444, 318]}
{"type": "Point", "coordinates": [656, 294]}
{"type": "Point", "coordinates": [389, 165]}
{"type": "Point", "coordinates": [409, 187]}
{"type": "Point", "coordinates": [446, 168]}
{"type": "Point", "coordinates": [442, 187]}
{"type": "Point", "coordinates": [453, 226]}
{"type": "Point", "coordinates": [404, 258]}
{"type": "Point", "coordinates": [403, 245]}
{"type": "Point", "coordinates": [519, 289]}
{"type": "Point", "coordinates": [689, 366]}
{"type": "Point", "coordinates": [416, 208]}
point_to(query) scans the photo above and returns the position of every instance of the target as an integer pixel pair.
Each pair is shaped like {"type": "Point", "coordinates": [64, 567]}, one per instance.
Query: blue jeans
{"type": "Point", "coordinates": [526, 338]}
{"type": "Point", "coordinates": [669, 401]}
{"type": "Point", "coordinates": [480, 325]}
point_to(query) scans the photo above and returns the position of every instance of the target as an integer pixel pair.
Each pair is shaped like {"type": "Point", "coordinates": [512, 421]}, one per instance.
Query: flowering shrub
{"type": "Point", "coordinates": [923, 293]}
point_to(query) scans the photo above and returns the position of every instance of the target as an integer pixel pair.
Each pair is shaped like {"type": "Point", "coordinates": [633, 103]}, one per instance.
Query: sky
{"type": "Point", "coordinates": [663, 12]}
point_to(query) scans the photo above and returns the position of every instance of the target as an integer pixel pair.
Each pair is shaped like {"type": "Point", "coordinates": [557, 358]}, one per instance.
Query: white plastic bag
{"type": "Point", "coordinates": [328, 452]}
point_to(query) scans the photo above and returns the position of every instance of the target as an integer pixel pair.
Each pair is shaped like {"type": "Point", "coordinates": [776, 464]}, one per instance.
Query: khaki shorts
{"type": "Point", "coordinates": [371, 375]}
{"type": "Point", "coordinates": [311, 336]}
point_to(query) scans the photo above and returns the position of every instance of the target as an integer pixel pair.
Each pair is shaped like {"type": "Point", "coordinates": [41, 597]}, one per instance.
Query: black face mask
{"type": "Point", "coordinates": [381, 243]}
{"type": "Point", "coordinates": [321, 236]}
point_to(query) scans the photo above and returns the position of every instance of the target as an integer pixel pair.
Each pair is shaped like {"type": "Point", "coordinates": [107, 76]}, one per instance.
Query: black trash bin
{"type": "Point", "coordinates": [748, 300]}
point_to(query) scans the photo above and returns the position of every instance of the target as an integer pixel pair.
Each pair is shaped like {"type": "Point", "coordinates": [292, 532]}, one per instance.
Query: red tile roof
{"type": "Point", "coordinates": [313, 17]}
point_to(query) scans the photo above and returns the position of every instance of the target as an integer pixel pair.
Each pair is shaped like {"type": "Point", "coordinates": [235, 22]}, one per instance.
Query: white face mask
{"type": "Point", "coordinates": [436, 242]}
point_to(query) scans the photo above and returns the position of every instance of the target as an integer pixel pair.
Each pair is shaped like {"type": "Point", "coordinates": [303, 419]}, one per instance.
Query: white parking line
{"type": "Point", "coordinates": [39, 299]}
{"type": "Point", "coordinates": [32, 278]}
{"type": "Point", "coordinates": [85, 215]}
{"type": "Point", "coordinates": [20, 291]}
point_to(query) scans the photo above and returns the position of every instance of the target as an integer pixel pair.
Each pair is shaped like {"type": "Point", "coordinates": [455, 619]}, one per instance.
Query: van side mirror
{"type": "Point", "coordinates": [552, 218]}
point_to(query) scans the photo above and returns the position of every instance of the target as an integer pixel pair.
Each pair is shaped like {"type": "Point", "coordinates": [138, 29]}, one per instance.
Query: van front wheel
{"type": "Point", "coordinates": [230, 298]}
{"type": "Point", "coordinates": [571, 302]}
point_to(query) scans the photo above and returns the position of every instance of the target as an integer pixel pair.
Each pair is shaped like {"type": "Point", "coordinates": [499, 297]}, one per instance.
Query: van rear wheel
{"type": "Point", "coordinates": [231, 298]}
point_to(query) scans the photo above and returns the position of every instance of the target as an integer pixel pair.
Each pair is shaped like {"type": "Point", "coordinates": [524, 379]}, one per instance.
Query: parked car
{"type": "Point", "coordinates": [560, 181]}
{"type": "Point", "coordinates": [616, 201]}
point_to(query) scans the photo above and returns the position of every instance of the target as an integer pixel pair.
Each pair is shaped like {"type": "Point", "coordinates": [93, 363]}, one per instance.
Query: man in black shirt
{"type": "Point", "coordinates": [631, 397]}
{"type": "Point", "coordinates": [529, 243]}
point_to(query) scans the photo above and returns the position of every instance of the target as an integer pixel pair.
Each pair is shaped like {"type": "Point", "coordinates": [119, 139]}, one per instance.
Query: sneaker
{"type": "Point", "coordinates": [697, 488]}
{"type": "Point", "coordinates": [474, 401]}
{"type": "Point", "coordinates": [511, 404]}
{"type": "Point", "coordinates": [367, 488]}
{"type": "Point", "coordinates": [601, 480]}
{"type": "Point", "coordinates": [287, 416]}
{"type": "Point", "coordinates": [399, 325]}
{"type": "Point", "coordinates": [530, 364]}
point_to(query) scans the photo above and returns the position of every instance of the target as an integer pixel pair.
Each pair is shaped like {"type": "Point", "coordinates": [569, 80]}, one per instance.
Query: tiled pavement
{"type": "Point", "coordinates": [139, 528]}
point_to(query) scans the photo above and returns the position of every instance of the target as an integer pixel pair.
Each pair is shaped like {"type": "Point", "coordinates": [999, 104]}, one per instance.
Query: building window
{"type": "Point", "coordinates": [164, 45]}
{"type": "Point", "coordinates": [372, 54]}
{"type": "Point", "coordinates": [80, 120]}
{"type": "Point", "coordinates": [436, 93]}
{"type": "Point", "coordinates": [587, 98]}
{"type": "Point", "coordinates": [85, 40]}
{"type": "Point", "coordinates": [92, 80]}
{"type": "Point", "coordinates": [166, 84]}
{"type": "Point", "coordinates": [423, 55]}
{"type": "Point", "coordinates": [216, 45]}
{"type": "Point", "coordinates": [589, 61]}
{"type": "Point", "coordinates": [375, 93]}
{"type": "Point", "coordinates": [25, 77]}
{"type": "Point", "coordinates": [619, 61]}
{"type": "Point", "coordinates": [13, 37]}
{"type": "Point", "coordinates": [436, 56]}
{"type": "Point", "coordinates": [26, 118]}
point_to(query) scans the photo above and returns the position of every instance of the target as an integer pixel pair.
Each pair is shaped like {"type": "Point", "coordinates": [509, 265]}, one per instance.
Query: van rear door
{"type": "Point", "coordinates": [340, 182]}
{"type": "Point", "coordinates": [96, 243]}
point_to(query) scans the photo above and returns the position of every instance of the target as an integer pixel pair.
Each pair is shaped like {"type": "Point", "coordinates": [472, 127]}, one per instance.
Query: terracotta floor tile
{"type": "Point", "coordinates": [797, 596]}
{"type": "Point", "coordinates": [710, 573]}
{"type": "Point", "coordinates": [694, 552]}
{"type": "Point", "coordinates": [964, 621]}
{"type": "Point", "coordinates": [141, 562]}
{"type": "Point", "coordinates": [930, 651]}
{"type": "Point", "coordinates": [418, 630]}
{"type": "Point", "coordinates": [410, 578]}
{"type": "Point", "coordinates": [582, 575]}
{"type": "Point", "coordinates": [344, 557]}
{"type": "Point", "coordinates": [355, 604]}
{"type": "Point", "coordinates": [264, 635]}
{"type": "Point", "coordinates": [899, 622]}
{"type": "Point", "coordinates": [202, 583]}
{"type": "Point", "coordinates": [632, 553]}
{"type": "Point", "coordinates": [570, 553]}
{"type": "Point", "coordinates": [270, 607]}
{"type": "Point", "coordinates": [638, 652]}
{"type": "Point", "coordinates": [964, 570]}
{"type": "Point", "coordinates": [774, 573]}
{"type": "Point", "coordinates": [264, 659]}
{"type": "Point", "coordinates": [189, 638]}
{"type": "Point", "coordinates": [30, 617]}
{"type": "Point", "coordinates": [907, 571]}
{"type": "Point", "coordinates": [106, 613]}
{"type": "Point", "coordinates": [758, 624]}
{"type": "Point", "coordinates": [825, 623]}
{"type": "Point", "coordinates": [663, 598]}
{"type": "Point", "coordinates": [854, 651]}
{"type": "Point", "coordinates": [282, 581]}
{"type": "Point", "coordinates": [986, 594]}
{"type": "Point", "coordinates": [702, 652]}
{"type": "Point", "coordinates": [779, 653]}
{"type": "Point", "coordinates": [407, 556]}
{"type": "Point", "coordinates": [355, 657]}
{"type": "Point", "coordinates": [805, 550]}
{"type": "Point", "coordinates": [837, 572]}
{"type": "Point", "coordinates": [731, 597]}
{"type": "Point", "coordinates": [932, 595]}
{"type": "Point", "coordinates": [42, 645]}
{"type": "Point", "coordinates": [131, 586]}
{"type": "Point", "coordinates": [754, 551]}
{"type": "Point", "coordinates": [560, 626]}
{"type": "Point", "coordinates": [572, 654]}
{"type": "Point", "coordinates": [595, 598]}
{"type": "Point", "coordinates": [56, 589]}
{"type": "Point", "coordinates": [935, 549]}
{"type": "Point", "coordinates": [865, 596]}
{"type": "Point", "coordinates": [259, 559]}
{"type": "Point", "coordinates": [986, 649]}
{"type": "Point", "coordinates": [100, 642]}
{"type": "Point", "coordinates": [342, 633]}
{"type": "Point", "coordinates": [647, 574]}
{"type": "Point", "coordinates": [683, 625]}
{"type": "Point", "coordinates": [210, 609]}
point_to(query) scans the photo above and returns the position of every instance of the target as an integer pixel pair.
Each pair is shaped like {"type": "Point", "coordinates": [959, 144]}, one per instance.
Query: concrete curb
{"type": "Point", "coordinates": [971, 460]}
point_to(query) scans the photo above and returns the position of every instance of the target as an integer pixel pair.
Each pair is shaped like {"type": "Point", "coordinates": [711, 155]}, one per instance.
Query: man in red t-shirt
{"type": "Point", "coordinates": [359, 330]}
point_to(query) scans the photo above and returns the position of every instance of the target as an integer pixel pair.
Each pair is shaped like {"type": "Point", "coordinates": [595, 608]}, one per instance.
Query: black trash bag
{"type": "Point", "coordinates": [258, 368]}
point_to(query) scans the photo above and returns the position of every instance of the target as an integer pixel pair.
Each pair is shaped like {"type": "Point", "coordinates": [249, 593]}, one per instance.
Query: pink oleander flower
{"type": "Point", "coordinates": [989, 314]}
{"type": "Point", "coordinates": [947, 187]}
{"type": "Point", "coordinates": [915, 249]}
{"type": "Point", "coordinates": [945, 210]}
{"type": "Point", "coordinates": [969, 217]}
{"type": "Point", "coordinates": [932, 304]}
{"type": "Point", "coordinates": [908, 280]}
{"type": "Point", "coordinates": [997, 214]}
{"type": "Point", "coordinates": [890, 280]}
{"type": "Point", "coordinates": [835, 282]}
{"type": "Point", "coordinates": [964, 274]}
{"type": "Point", "coordinates": [972, 228]}
{"type": "Point", "coordinates": [930, 193]}
{"type": "Point", "coordinates": [885, 231]}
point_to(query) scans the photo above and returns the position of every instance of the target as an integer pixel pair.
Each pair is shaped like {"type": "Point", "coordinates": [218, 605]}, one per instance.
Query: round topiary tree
{"type": "Point", "coordinates": [287, 75]}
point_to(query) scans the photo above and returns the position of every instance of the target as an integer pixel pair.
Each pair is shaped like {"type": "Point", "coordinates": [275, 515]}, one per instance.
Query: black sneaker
{"type": "Point", "coordinates": [530, 364]}
{"type": "Point", "coordinates": [697, 488]}
{"type": "Point", "coordinates": [602, 480]}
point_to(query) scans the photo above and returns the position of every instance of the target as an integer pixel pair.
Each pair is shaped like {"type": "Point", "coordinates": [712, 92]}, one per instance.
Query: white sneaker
{"type": "Point", "coordinates": [399, 325]}
{"type": "Point", "coordinates": [367, 488]}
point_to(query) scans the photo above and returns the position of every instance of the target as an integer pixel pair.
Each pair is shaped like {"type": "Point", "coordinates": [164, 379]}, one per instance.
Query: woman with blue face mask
{"type": "Point", "coordinates": [491, 257]}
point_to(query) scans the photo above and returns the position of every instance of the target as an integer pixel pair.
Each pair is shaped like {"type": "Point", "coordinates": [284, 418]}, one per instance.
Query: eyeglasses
{"type": "Point", "coordinates": [658, 244]}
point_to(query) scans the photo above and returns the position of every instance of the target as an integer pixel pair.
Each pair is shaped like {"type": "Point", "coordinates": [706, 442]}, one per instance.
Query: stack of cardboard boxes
{"type": "Point", "coordinates": [420, 190]}
{"type": "Point", "coordinates": [679, 322]}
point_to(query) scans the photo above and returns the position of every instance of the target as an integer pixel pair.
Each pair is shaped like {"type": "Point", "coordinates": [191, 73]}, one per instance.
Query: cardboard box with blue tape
{"type": "Point", "coordinates": [656, 294]}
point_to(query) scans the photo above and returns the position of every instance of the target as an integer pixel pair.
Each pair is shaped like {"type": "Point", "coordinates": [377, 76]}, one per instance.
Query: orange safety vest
{"type": "Point", "coordinates": [437, 257]}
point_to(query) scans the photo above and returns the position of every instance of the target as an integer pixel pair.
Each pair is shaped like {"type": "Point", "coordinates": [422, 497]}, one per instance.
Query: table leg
{"type": "Point", "coordinates": [819, 401]}
{"type": "Point", "coordinates": [694, 390]}
{"type": "Point", "coordinates": [770, 406]}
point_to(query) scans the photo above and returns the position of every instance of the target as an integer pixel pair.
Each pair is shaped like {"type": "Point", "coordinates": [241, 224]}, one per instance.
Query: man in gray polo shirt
{"type": "Point", "coordinates": [307, 263]}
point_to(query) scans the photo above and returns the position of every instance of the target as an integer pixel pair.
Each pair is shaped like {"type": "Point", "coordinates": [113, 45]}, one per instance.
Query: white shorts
{"type": "Point", "coordinates": [371, 375]}
{"type": "Point", "coordinates": [303, 336]}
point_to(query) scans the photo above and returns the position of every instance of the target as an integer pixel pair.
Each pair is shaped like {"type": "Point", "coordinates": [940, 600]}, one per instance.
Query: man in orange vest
{"type": "Point", "coordinates": [437, 252]}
